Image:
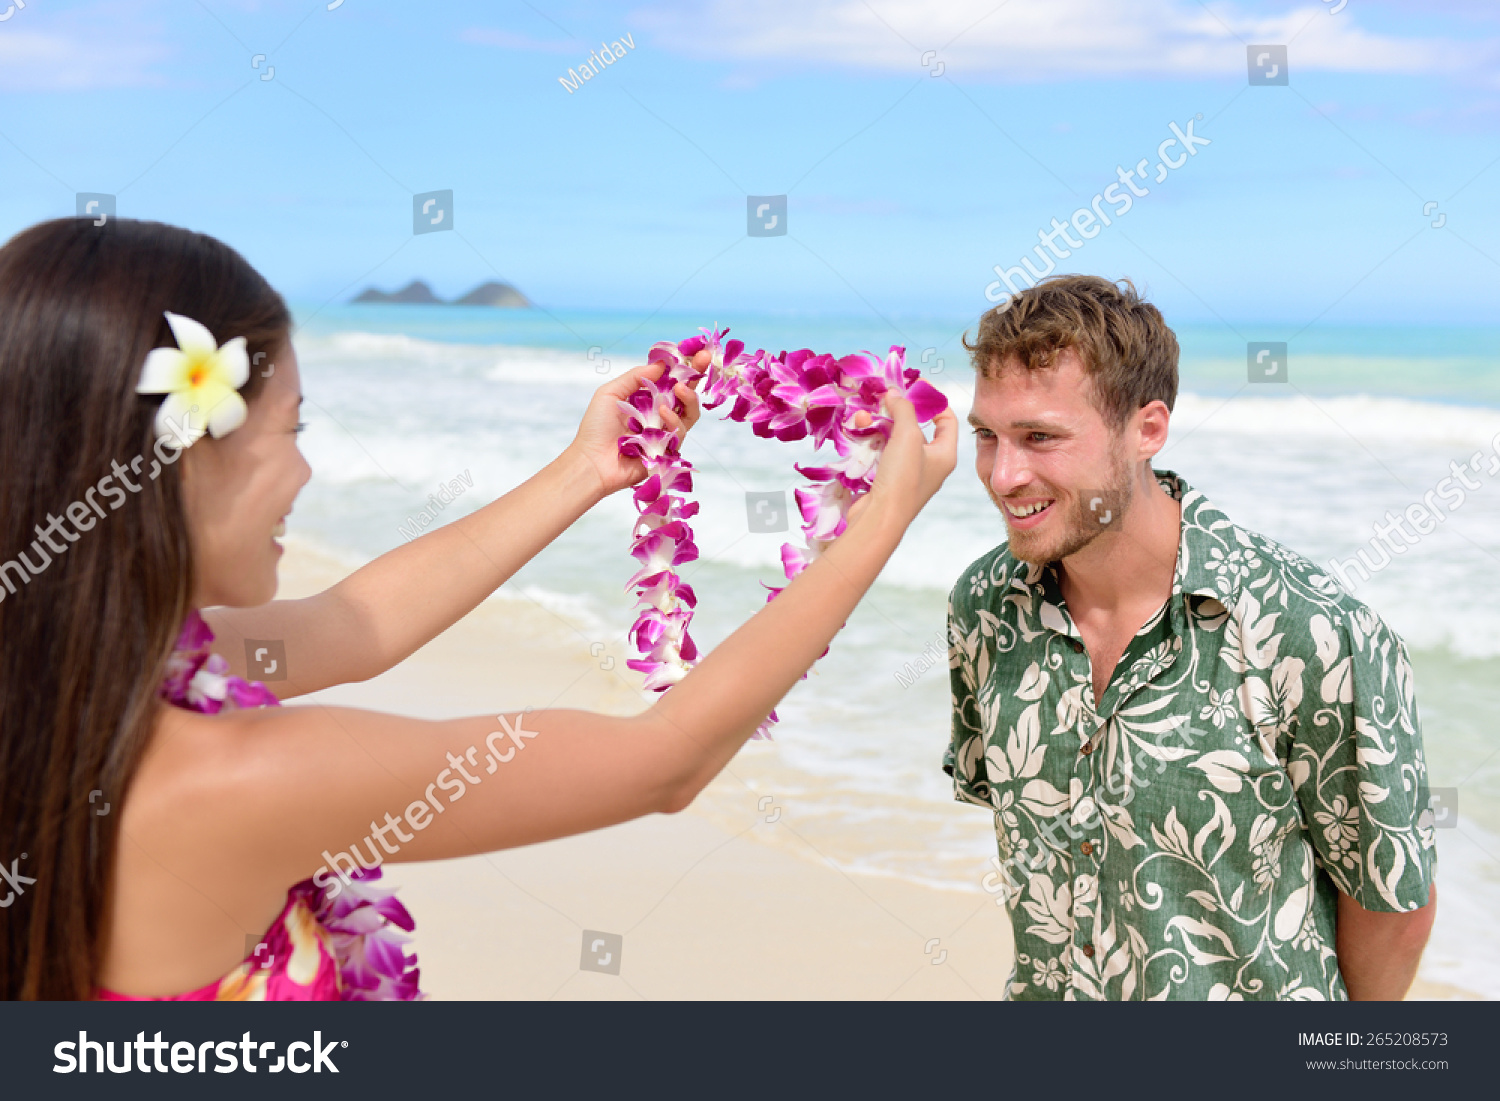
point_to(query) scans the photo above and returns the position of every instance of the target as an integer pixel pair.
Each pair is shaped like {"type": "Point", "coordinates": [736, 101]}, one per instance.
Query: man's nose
{"type": "Point", "coordinates": [1010, 471]}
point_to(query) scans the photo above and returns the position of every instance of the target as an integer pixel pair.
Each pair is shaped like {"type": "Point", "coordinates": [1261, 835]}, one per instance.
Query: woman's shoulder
{"type": "Point", "coordinates": [224, 790]}
{"type": "Point", "coordinates": [196, 870]}
{"type": "Point", "coordinates": [224, 813]}
{"type": "Point", "coordinates": [268, 788]}
{"type": "Point", "coordinates": [217, 760]}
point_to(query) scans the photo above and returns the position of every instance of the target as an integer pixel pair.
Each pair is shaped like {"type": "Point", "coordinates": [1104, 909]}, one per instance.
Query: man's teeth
{"type": "Point", "coordinates": [279, 530]}
{"type": "Point", "coordinates": [1019, 511]}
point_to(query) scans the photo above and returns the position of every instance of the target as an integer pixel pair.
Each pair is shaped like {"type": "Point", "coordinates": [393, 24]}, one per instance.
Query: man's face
{"type": "Point", "coordinates": [1046, 455]}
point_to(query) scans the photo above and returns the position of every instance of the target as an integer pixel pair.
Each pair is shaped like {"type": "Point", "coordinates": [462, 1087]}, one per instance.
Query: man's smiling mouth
{"type": "Point", "coordinates": [1030, 508]}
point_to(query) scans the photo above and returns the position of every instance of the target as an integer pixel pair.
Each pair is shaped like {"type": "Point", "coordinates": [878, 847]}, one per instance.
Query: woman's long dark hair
{"type": "Point", "coordinates": [85, 631]}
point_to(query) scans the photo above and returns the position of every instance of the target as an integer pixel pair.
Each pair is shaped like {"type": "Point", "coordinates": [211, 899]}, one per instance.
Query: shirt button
{"type": "Point", "coordinates": [1087, 748]}
{"type": "Point", "coordinates": [1087, 848]}
{"type": "Point", "coordinates": [1088, 950]}
{"type": "Point", "coordinates": [1077, 647]}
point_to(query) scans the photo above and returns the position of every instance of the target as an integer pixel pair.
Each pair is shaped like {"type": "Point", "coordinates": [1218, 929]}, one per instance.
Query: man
{"type": "Point", "coordinates": [1203, 757]}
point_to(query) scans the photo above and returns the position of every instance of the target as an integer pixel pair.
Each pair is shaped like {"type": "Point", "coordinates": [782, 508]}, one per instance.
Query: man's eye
{"type": "Point", "coordinates": [301, 425]}
{"type": "Point", "coordinates": [1038, 437]}
{"type": "Point", "coordinates": [983, 434]}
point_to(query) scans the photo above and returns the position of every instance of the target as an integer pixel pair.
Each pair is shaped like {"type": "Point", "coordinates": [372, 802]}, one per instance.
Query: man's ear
{"type": "Point", "coordinates": [1152, 422]}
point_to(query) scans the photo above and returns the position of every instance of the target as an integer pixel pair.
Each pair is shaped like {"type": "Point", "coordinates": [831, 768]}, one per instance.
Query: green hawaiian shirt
{"type": "Point", "coordinates": [1257, 750]}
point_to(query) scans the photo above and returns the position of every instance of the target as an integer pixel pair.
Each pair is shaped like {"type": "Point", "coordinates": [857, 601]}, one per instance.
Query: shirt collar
{"type": "Point", "coordinates": [1206, 538]}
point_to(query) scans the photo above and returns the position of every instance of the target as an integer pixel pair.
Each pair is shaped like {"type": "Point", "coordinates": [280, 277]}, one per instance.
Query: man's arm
{"type": "Point", "coordinates": [1378, 951]}
{"type": "Point", "coordinates": [1357, 769]}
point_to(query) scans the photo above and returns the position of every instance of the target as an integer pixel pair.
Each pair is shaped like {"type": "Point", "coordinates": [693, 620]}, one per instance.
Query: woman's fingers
{"type": "Point", "coordinates": [945, 435]}
{"type": "Point", "coordinates": [913, 468]}
{"type": "Point", "coordinates": [942, 449]}
{"type": "Point", "coordinates": [900, 410]}
{"type": "Point", "coordinates": [681, 423]}
{"type": "Point", "coordinates": [620, 389]}
{"type": "Point", "coordinates": [627, 383]}
{"type": "Point", "coordinates": [690, 403]}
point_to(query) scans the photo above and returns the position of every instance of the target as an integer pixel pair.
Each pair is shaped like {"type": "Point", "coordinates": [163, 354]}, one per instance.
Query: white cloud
{"type": "Point", "coordinates": [1029, 40]}
{"type": "Point", "coordinates": [86, 49]}
{"type": "Point", "coordinates": [510, 40]}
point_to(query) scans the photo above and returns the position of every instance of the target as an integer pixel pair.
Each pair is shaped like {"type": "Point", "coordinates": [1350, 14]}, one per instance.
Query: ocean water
{"type": "Point", "coordinates": [400, 399]}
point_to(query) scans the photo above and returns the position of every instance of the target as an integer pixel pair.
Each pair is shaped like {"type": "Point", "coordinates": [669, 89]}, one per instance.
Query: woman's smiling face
{"type": "Point", "coordinates": [239, 489]}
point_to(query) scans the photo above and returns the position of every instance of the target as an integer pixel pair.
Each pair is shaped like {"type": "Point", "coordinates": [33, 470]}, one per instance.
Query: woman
{"type": "Point", "coordinates": [158, 835]}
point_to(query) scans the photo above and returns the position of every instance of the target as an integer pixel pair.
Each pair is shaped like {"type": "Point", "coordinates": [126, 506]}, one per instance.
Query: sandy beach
{"type": "Point", "coordinates": [729, 899]}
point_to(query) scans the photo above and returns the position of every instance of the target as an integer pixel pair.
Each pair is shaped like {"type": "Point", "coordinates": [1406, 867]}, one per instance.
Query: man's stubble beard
{"type": "Point", "coordinates": [1072, 529]}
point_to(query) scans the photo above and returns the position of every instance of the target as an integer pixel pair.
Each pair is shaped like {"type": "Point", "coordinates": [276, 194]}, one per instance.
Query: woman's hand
{"type": "Point", "coordinates": [911, 467]}
{"type": "Point", "coordinates": [598, 439]}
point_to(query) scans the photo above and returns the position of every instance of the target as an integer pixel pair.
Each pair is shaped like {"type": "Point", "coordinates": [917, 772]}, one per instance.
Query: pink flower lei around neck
{"type": "Point", "coordinates": [789, 396]}
{"type": "Point", "coordinates": [363, 920]}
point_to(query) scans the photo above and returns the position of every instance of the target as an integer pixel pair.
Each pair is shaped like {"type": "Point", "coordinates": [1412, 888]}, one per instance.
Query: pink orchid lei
{"type": "Point", "coordinates": [788, 397]}
{"type": "Point", "coordinates": [364, 922]}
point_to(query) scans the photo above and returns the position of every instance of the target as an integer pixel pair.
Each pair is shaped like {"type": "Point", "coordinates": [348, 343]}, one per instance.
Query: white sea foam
{"type": "Point", "coordinates": [493, 362]}
{"type": "Point", "coordinates": [578, 612]}
{"type": "Point", "coordinates": [1361, 416]}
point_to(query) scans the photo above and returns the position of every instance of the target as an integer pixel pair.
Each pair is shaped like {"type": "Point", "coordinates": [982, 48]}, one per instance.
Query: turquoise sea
{"type": "Point", "coordinates": [401, 398]}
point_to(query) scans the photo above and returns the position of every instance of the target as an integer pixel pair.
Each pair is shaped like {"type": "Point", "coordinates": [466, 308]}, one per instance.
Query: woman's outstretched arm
{"type": "Point", "coordinates": [386, 610]}
{"type": "Point", "coordinates": [274, 794]}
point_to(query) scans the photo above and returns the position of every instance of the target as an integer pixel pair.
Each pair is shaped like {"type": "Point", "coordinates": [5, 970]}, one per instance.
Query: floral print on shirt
{"type": "Point", "coordinates": [1256, 752]}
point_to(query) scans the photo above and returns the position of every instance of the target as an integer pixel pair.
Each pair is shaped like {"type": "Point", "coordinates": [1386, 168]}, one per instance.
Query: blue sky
{"type": "Point", "coordinates": [905, 188]}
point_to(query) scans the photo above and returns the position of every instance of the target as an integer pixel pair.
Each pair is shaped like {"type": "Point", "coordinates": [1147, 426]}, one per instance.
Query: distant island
{"type": "Point", "coordinates": [418, 293]}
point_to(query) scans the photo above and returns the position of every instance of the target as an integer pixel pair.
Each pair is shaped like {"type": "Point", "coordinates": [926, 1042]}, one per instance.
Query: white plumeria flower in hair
{"type": "Point", "coordinates": [200, 380]}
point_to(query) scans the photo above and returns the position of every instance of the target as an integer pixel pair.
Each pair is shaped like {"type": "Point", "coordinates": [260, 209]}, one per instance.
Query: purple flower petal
{"type": "Point", "coordinates": [927, 400]}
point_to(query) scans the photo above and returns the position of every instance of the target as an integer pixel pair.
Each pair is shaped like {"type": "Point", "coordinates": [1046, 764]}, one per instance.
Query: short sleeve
{"type": "Point", "coordinates": [1357, 765]}
{"type": "Point", "coordinates": [964, 758]}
